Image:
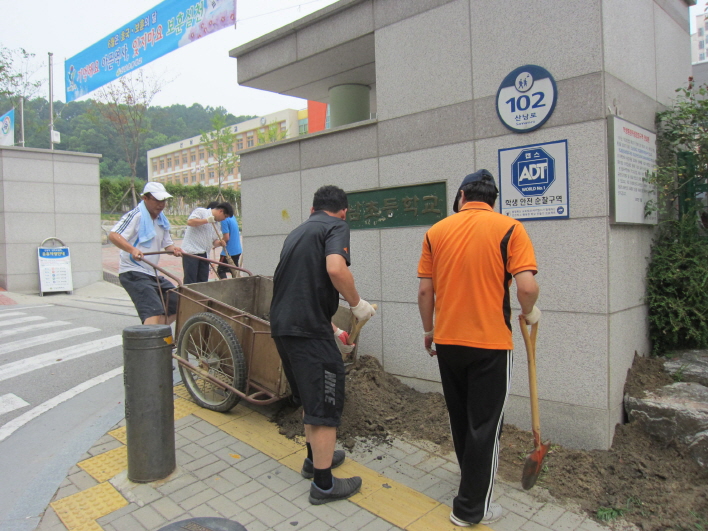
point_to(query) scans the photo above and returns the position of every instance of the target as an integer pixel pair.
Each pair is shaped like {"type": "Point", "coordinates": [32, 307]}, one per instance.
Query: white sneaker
{"type": "Point", "coordinates": [494, 513]}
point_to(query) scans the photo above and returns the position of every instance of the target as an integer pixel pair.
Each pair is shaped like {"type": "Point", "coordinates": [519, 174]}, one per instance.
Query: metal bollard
{"type": "Point", "coordinates": [149, 406]}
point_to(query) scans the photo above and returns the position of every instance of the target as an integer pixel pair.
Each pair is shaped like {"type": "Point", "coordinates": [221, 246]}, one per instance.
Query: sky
{"type": "Point", "coordinates": [202, 72]}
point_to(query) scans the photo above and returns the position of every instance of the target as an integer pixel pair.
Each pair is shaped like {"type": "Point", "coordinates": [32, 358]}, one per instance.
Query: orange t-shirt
{"type": "Point", "coordinates": [471, 257]}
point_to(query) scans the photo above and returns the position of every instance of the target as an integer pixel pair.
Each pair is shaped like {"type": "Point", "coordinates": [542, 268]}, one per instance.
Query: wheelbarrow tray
{"type": "Point", "coordinates": [244, 303]}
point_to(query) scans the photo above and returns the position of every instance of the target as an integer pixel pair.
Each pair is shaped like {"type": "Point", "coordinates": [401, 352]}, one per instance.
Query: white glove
{"type": "Point", "coordinates": [533, 316]}
{"type": "Point", "coordinates": [341, 339]}
{"type": "Point", "coordinates": [211, 219]}
{"type": "Point", "coordinates": [363, 310]}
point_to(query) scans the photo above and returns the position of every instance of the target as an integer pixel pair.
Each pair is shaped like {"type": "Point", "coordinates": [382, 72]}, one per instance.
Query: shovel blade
{"type": "Point", "coordinates": [533, 466]}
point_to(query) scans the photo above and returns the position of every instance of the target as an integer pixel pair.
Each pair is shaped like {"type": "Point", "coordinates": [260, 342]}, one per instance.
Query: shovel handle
{"type": "Point", "coordinates": [356, 327]}
{"type": "Point", "coordinates": [530, 342]}
{"type": "Point", "coordinates": [220, 237]}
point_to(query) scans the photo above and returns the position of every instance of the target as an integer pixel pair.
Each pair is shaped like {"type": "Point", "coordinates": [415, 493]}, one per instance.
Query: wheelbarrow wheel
{"type": "Point", "coordinates": [208, 342]}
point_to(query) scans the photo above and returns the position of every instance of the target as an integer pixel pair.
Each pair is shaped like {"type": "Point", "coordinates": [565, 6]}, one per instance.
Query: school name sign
{"type": "Point", "coordinates": [161, 30]}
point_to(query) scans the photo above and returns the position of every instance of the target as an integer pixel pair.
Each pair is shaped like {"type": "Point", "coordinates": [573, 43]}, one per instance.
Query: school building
{"type": "Point", "coordinates": [556, 99]}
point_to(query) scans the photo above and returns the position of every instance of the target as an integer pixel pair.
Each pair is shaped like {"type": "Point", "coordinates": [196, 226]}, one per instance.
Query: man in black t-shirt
{"type": "Point", "coordinates": [313, 271]}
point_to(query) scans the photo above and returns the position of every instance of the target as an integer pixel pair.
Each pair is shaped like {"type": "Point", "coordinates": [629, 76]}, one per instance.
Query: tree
{"type": "Point", "coordinates": [219, 145]}
{"type": "Point", "coordinates": [17, 68]}
{"type": "Point", "coordinates": [677, 277]}
{"type": "Point", "coordinates": [16, 72]}
{"type": "Point", "coordinates": [124, 103]}
{"type": "Point", "coordinates": [272, 133]}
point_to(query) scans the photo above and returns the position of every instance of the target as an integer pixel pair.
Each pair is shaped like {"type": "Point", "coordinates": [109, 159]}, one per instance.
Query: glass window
{"type": "Point", "coordinates": [702, 57]}
{"type": "Point", "coordinates": [186, 180]}
{"type": "Point", "coordinates": [250, 142]}
{"type": "Point", "coordinates": [211, 174]}
{"type": "Point", "coordinates": [154, 167]}
{"type": "Point", "coordinates": [201, 155]}
{"type": "Point", "coordinates": [239, 144]}
{"type": "Point", "coordinates": [192, 157]}
{"type": "Point", "coordinates": [184, 159]}
{"type": "Point", "coordinates": [169, 163]}
{"type": "Point", "coordinates": [162, 164]}
{"type": "Point", "coordinates": [700, 45]}
{"type": "Point", "coordinates": [700, 32]}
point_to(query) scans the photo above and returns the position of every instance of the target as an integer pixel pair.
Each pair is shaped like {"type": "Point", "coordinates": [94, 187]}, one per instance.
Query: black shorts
{"type": "Point", "coordinates": [315, 371]}
{"type": "Point", "coordinates": [142, 289]}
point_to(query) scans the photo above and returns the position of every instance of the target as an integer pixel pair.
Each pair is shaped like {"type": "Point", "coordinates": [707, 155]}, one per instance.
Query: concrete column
{"type": "Point", "coordinates": [348, 104]}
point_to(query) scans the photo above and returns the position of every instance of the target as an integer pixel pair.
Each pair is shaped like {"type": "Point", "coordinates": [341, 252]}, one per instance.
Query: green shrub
{"type": "Point", "coordinates": [677, 287]}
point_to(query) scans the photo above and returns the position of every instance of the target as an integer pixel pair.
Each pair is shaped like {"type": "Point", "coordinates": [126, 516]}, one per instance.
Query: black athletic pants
{"type": "Point", "coordinates": [195, 270]}
{"type": "Point", "coordinates": [476, 385]}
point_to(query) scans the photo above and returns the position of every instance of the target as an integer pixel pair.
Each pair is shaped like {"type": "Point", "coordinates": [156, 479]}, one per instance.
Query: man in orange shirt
{"type": "Point", "coordinates": [465, 270]}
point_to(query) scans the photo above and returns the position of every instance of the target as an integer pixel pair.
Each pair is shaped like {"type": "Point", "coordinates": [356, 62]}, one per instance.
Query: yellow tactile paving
{"type": "Point", "coordinates": [106, 465]}
{"type": "Point", "coordinates": [294, 461]}
{"type": "Point", "coordinates": [184, 408]}
{"type": "Point", "coordinates": [86, 506]}
{"type": "Point", "coordinates": [255, 430]}
{"type": "Point", "coordinates": [439, 520]}
{"type": "Point", "coordinates": [88, 526]}
{"type": "Point", "coordinates": [120, 434]}
{"type": "Point", "coordinates": [218, 419]}
{"type": "Point", "coordinates": [397, 504]}
{"type": "Point", "coordinates": [181, 391]}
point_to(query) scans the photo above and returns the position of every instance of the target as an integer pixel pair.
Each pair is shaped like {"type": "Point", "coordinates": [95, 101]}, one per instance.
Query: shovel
{"type": "Point", "coordinates": [356, 327]}
{"type": "Point", "coordinates": [534, 461]}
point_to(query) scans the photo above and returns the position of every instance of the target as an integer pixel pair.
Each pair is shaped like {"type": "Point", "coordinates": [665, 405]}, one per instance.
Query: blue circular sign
{"type": "Point", "coordinates": [533, 172]}
{"type": "Point", "coordinates": [526, 98]}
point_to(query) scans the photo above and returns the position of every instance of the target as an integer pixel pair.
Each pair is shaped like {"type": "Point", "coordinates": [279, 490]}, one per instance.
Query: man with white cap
{"type": "Point", "coordinates": [142, 230]}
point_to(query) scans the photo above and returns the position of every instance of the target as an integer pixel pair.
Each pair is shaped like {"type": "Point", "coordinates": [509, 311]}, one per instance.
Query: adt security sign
{"type": "Point", "coordinates": [526, 98]}
{"type": "Point", "coordinates": [533, 172]}
{"type": "Point", "coordinates": [534, 181]}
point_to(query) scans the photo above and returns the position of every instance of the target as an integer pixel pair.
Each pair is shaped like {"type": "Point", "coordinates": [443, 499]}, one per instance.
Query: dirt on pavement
{"type": "Point", "coordinates": [639, 481]}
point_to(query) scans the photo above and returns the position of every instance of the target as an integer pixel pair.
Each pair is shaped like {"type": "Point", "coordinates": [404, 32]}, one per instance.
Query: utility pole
{"type": "Point", "coordinates": [51, 101]}
{"type": "Point", "coordinates": [22, 121]}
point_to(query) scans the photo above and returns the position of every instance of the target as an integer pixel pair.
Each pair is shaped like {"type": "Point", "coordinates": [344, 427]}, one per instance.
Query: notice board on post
{"type": "Point", "coordinates": [54, 268]}
{"type": "Point", "coordinates": [632, 154]}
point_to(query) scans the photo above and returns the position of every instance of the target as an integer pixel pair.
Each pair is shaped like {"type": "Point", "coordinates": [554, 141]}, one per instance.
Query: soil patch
{"type": "Point", "coordinates": [653, 486]}
{"type": "Point", "coordinates": [384, 407]}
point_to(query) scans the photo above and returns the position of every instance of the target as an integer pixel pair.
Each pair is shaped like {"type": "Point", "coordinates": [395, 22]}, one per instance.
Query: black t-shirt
{"type": "Point", "coordinates": [304, 298]}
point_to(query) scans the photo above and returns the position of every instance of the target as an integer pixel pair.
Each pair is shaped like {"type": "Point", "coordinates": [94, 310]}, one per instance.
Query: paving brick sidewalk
{"type": "Point", "coordinates": [226, 469]}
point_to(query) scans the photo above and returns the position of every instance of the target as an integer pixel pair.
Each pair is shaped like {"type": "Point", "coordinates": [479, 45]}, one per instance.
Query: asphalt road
{"type": "Point", "coordinates": [61, 388]}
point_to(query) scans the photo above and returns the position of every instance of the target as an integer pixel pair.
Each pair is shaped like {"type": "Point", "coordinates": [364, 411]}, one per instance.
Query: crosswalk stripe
{"type": "Point", "coordinates": [15, 308]}
{"type": "Point", "coordinates": [16, 423]}
{"type": "Point", "coordinates": [32, 328]}
{"type": "Point", "coordinates": [21, 320]}
{"type": "Point", "coordinates": [10, 402]}
{"type": "Point", "coordinates": [16, 368]}
{"type": "Point", "coordinates": [47, 338]}
{"type": "Point", "coordinates": [10, 314]}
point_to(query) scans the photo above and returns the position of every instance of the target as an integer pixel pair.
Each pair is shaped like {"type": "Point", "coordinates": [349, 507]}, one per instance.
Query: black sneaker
{"type": "Point", "coordinates": [308, 469]}
{"type": "Point", "coordinates": [342, 489]}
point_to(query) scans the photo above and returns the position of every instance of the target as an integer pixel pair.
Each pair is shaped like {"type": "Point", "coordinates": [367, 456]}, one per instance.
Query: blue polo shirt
{"type": "Point", "coordinates": [233, 246]}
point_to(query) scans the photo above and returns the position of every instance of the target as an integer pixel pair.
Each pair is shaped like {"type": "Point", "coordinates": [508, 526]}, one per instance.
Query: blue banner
{"type": "Point", "coordinates": [168, 26]}
{"type": "Point", "coordinates": [7, 128]}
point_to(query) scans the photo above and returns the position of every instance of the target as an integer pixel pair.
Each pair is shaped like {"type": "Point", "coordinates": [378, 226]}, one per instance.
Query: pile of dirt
{"type": "Point", "coordinates": [653, 486]}
{"type": "Point", "coordinates": [384, 407]}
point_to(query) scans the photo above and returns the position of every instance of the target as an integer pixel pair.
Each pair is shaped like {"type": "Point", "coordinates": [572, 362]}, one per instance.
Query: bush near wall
{"type": "Point", "coordinates": [185, 198]}
{"type": "Point", "coordinates": [677, 287]}
{"type": "Point", "coordinates": [677, 277]}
